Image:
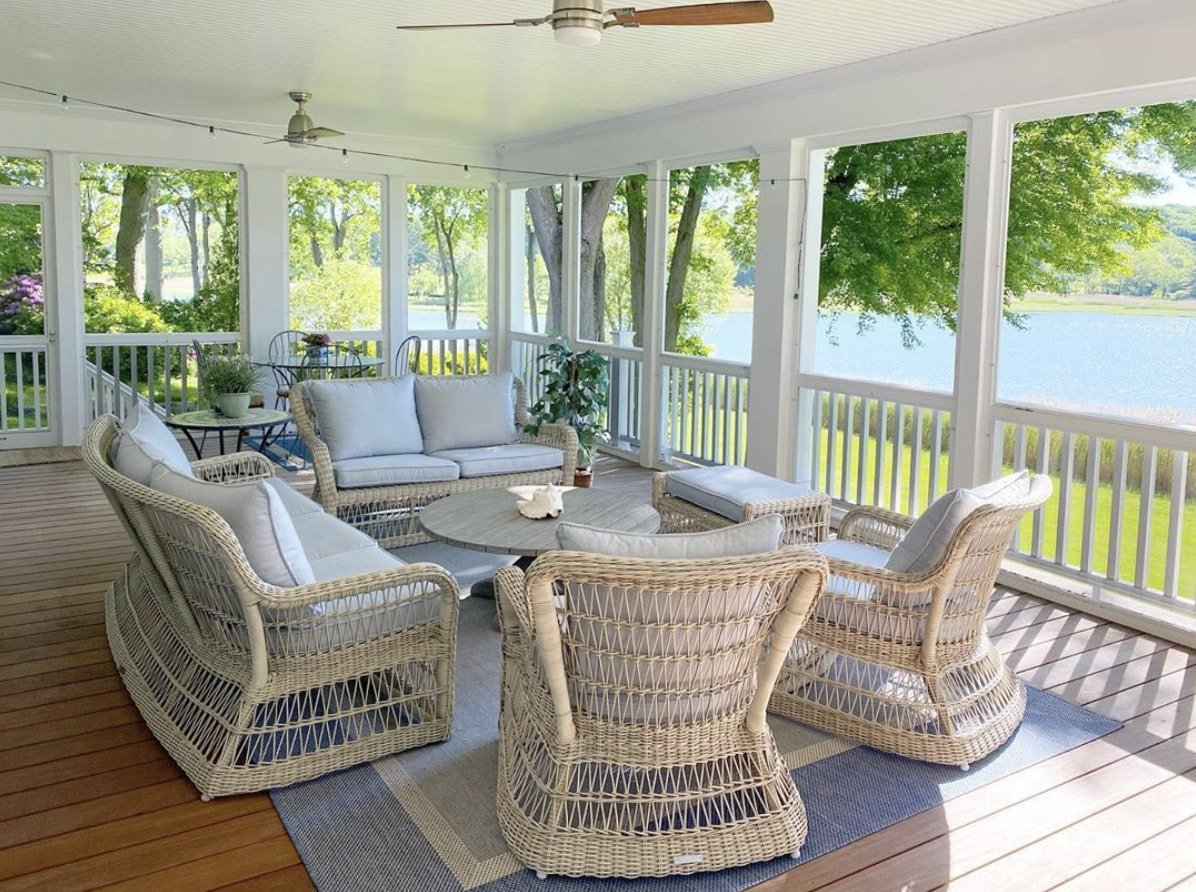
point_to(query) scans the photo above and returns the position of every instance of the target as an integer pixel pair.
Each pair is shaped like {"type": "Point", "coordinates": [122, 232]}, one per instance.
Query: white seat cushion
{"type": "Point", "coordinates": [257, 516]}
{"type": "Point", "coordinates": [143, 440]}
{"type": "Point", "coordinates": [725, 489]}
{"type": "Point", "coordinates": [856, 552]}
{"type": "Point", "coordinates": [364, 417]}
{"type": "Point", "coordinates": [759, 536]}
{"type": "Point", "coordinates": [515, 458]}
{"type": "Point", "coordinates": [461, 413]}
{"type": "Point", "coordinates": [392, 470]}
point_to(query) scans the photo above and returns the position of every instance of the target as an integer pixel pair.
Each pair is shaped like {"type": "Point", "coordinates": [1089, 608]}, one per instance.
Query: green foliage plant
{"type": "Point", "coordinates": [228, 374]}
{"type": "Point", "coordinates": [575, 386]}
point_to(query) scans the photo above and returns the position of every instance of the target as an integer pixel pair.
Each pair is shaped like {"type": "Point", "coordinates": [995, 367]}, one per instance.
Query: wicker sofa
{"type": "Point", "coordinates": [384, 448]}
{"type": "Point", "coordinates": [249, 684]}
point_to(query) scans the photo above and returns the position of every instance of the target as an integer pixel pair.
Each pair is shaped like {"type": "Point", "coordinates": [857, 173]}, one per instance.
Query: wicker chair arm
{"type": "Point", "coordinates": [441, 584]}
{"type": "Point", "coordinates": [869, 583]}
{"type": "Point", "coordinates": [237, 466]}
{"type": "Point", "coordinates": [875, 526]}
{"type": "Point", "coordinates": [562, 437]}
{"type": "Point", "coordinates": [309, 433]}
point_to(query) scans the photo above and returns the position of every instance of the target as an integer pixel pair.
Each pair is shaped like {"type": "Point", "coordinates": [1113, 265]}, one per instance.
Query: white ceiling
{"type": "Point", "coordinates": [231, 60]}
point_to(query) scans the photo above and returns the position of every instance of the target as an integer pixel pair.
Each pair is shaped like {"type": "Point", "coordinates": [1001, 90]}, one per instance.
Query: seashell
{"type": "Point", "coordinates": [545, 502]}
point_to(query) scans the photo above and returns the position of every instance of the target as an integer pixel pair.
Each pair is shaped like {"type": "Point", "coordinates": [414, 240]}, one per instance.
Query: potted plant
{"type": "Point", "coordinates": [575, 387]}
{"type": "Point", "coordinates": [317, 344]}
{"type": "Point", "coordinates": [227, 383]}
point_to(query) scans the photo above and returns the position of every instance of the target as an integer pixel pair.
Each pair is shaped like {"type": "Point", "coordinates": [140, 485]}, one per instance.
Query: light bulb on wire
{"type": "Point", "coordinates": [467, 174]}
{"type": "Point", "coordinates": [65, 103]}
{"type": "Point", "coordinates": [211, 133]}
{"type": "Point", "coordinates": [344, 156]}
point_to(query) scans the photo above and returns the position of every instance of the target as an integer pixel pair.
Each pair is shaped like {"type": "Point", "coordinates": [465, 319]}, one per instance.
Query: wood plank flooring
{"type": "Point", "coordinates": [88, 799]}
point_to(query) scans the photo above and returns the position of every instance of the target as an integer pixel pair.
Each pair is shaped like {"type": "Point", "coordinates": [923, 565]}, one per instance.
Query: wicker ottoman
{"type": "Point", "coordinates": [707, 498]}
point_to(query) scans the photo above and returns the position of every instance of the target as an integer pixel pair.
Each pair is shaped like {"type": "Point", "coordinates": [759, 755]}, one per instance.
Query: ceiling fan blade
{"type": "Point", "coordinates": [747, 13]}
{"type": "Point", "coordinates": [321, 132]}
{"type": "Point", "coordinates": [271, 142]}
{"type": "Point", "coordinates": [521, 23]}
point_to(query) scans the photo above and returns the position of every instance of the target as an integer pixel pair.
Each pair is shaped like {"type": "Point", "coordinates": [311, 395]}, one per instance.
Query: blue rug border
{"type": "Point", "coordinates": [886, 788]}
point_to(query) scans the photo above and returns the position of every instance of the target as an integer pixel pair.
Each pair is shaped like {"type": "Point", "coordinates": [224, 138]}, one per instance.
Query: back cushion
{"type": "Point", "coordinates": [143, 440]}
{"type": "Point", "coordinates": [362, 418]}
{"type": "Point", "coordinates": [1010, 488]}
{"type": "Point", "coordinates": [463, 413]}
{"type": "Point", "coordinates": [758, 536]}
{"type": "Point", "coordinates": [258, 518]}
{"type": "Point", "coordinates": [926, 542]}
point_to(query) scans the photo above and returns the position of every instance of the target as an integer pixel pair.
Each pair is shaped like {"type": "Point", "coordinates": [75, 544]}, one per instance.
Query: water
{"type": "Point", "coordinates": [1140, 366]}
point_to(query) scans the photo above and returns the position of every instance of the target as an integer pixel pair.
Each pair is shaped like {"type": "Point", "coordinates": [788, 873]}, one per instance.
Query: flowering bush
{"type": "Point", "coordinates": [22, 305]}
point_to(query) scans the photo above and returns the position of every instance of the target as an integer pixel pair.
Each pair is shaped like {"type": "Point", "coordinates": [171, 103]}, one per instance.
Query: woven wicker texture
{"type": "Point", "coordinates": [903, 662]}
{"type": "Point", "coordinates": [390, 514]}
{"type": "Point", "coordinates": [249, 686]}
{"type": "Point", "coordinates": [632, 738]}
{"type": "Point", "coordinates": [807, 519]}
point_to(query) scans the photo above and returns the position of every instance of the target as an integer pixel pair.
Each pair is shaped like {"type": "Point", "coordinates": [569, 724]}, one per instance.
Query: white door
{"type": "Point", "coordinates": [28, 395]}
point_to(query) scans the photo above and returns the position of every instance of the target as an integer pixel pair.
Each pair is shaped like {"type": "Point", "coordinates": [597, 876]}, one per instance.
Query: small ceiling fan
{"type": "Point", "coordinates": [301, 130]}
{"type": "Point", "coordinates": [581, 22]}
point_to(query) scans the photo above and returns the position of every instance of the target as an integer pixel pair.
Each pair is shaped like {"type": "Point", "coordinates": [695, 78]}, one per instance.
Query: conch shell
{"type": "Point", "coordinates": [545, 502]}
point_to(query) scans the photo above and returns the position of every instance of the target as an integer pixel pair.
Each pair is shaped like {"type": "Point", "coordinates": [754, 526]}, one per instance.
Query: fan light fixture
{"type": "Point", "coordinates": [575, 35]}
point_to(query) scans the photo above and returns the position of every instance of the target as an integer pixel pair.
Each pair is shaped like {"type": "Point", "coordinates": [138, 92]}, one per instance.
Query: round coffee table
{"type": "Point", "coordinates": [489, 520]}
{"type": "Point", "coordinates": [207, 421]}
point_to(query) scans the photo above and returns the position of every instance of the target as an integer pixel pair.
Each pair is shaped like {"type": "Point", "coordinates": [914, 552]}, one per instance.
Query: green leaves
{"type": "Point", "coordinates": [575, 386]}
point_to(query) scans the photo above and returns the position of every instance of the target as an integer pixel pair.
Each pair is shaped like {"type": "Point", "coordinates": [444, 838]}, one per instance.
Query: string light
{"type": "Point", "coordinates": [65, 103]}
{"type": "Point", "coordinates": [466, 174]}
{"type": "Point", "coordinates": [344, 156]}
{"type": "Point", "coordinates": [211, 133]}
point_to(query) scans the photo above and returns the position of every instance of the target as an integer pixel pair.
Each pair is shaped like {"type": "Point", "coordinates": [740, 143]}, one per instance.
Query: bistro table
{"type": "Point", "coordinates": [299, 363]}
{"type": "Point", "coordinates": [208, 421]}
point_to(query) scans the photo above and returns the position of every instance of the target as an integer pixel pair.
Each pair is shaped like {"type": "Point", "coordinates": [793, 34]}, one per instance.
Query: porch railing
{"type": "Point", "coordinates": [23, 386]}
{"type": "Point", "coordinates": [705, 404]}
{"type": "Point", "coordinates": [454, 352]}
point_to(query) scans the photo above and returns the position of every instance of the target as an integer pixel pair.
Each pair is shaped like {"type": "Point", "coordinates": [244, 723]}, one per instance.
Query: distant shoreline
{"type": "Point", "coordinates": [1110, 304]}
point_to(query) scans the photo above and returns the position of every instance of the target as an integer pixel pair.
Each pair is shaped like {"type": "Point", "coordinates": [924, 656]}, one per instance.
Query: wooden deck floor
{"type": "Point", "coordinates": [88, 799]}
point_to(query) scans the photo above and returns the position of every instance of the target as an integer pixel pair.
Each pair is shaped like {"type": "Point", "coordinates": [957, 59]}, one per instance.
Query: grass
{"type": "Point", "coordinates": [1108, 304]}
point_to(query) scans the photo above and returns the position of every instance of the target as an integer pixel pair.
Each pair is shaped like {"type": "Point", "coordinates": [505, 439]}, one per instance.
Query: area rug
{"type": "Point", "coordinates": [286, 450]}
{"type": "Point", "coordinates": [424, 821]}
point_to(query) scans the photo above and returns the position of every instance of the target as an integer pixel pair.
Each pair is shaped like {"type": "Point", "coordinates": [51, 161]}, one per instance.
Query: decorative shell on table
{"type": "Point", "coordinates": [545, 502]}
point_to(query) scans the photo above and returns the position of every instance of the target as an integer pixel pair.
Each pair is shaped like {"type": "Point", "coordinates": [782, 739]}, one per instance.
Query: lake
{"type": "Point", "coordinates": [1136, 365]}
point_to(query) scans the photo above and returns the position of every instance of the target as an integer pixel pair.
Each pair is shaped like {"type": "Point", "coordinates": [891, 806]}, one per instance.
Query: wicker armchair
{"type": "Point", "coordinates": [390, 514]}
{"type": "Point", "coordinates": [633, 738]}
{"type": "Point", "coordinates": [902, 662]}
{"type": "Point", "coordinates": [250, 686]}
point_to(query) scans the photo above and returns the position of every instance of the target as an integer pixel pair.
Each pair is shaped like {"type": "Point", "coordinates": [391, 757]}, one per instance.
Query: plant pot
{"type": "Point", "coordinates": [317, 353]}
{"type": "Point", "coordinates": [583, 478]}
{"type": "Point", "coordinates": [233, 405]}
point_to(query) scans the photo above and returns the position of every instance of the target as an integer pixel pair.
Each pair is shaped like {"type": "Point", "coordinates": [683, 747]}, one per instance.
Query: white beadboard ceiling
{"type": "Point", "coordinates": [233, 61]}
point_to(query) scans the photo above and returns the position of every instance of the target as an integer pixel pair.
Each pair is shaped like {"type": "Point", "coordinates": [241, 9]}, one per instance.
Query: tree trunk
{"type": "Point", "coordinates": [637, 237]}
{"type": "Point", "coordinates": [529, 245]}
{"type": "Point", "coordinates": [206, 221]}
{"type": "Point", "coordinates": [453, 297]}
{"type": "Point", "coordinates": [595, 205]}
{"type": "Point", "coordinates": [549, 230]}
{"type": "Point", "coordinates": [683, 248]}
{"type": "Point", "coordinates": [133, 200]}
{"type": "Point", "coordinates": [317, 254]}
{"type": "Point", "coordinates": [442, 255]}
{"type": "Point", "coordinates": [190, 226]}
{"type": "Point", "coordinates": [153, 243]}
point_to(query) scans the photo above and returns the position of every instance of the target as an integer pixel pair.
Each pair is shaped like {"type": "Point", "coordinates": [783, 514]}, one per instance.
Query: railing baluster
{"type": "Point", "coordinates": [816, 442]}
{"type": "Point", "coordinates": [1091, 482]}
{"type": "Point", "coordinates": [1146, 484]}
{"type": "Point", "coordinates": [863, 438]}
{"type": "Point", "coordinates": [1175, 523]}
{"type": "Point", "coordinates": [1038, 522]}
{"type": "Point", "coordinates": [1113, 567]}
{"type": "Point", "coordinates": [37, 356]}
{"type": "Point", "coordinates": [898, 454]}
{"type": "Point", "coordinates": [20, 355]}
{"type": "Point", "coordinates": [848, 422]}
{"type": "Point", "coordinates": [832, 435]}
{"type": "Point", "coordinates": [936, 455]}
{"type": "Point", "coordinates": [728, 457]}
{"type": "Point", "coordinates": [915, 463]}
{"type": "Point", "coordinates": [1067, 470]}
{"type": "Point", "coordinates": [1019, 447]}
{"type": "Point", "coordinates": [4, 391]}
{"type": "Point", "coordinates": [882, 436]}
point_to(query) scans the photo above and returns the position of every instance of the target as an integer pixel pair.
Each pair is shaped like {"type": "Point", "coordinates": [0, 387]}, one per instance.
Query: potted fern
{"type": "Point", "coordinates": [227, 383]}
{"type": "Point", "coordinates": [575, 385]}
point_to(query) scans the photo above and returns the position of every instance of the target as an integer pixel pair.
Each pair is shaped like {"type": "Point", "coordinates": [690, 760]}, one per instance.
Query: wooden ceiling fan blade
{"type": "Point", "coordinates": [747, 13]}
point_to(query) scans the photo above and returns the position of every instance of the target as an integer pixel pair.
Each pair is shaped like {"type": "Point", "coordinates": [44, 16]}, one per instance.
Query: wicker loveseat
{"type": "Point", "coordinates": [385, 448]}
{"type": "Point", "coordinates": [250, 685]}
{"type": "Point", "coordinates": [900, 659]}
{"type": "Point", "coordinates": [632, 737]}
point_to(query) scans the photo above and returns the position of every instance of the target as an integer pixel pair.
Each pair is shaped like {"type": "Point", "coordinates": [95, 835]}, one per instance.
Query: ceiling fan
{"type": "Point", "coordinates": [301, 130]}
{"type": "Point", "coordinates": [581, 22]}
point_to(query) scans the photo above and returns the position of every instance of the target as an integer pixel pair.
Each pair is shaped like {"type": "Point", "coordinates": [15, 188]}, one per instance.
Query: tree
{"type": "Point", "coordinates": [452, 219]}
{"type": "Point", "coordinates": [134, 199]}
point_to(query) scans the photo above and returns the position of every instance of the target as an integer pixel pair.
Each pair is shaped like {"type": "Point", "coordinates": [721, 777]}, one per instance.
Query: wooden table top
{"type": "Point", "coordinates": [488, 519]}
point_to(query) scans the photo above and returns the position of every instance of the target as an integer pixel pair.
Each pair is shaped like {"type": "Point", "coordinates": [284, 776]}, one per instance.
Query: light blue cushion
{"type": "Point", "coordinates": [461, 413]}
{"type": "Point", "coordinates": [392, 470]}
{"type": "Point", "coordinates": [725, 490]}
{"type": "Point", "coordinates": [296, 503]}
{"type": "Point", "coordinates": [515, 458]}
{"type": "Point", "coordinates": [759, 536]}
{"type": "Point", "coordinates": [143, 440]}
{"type": "Point", "coordinates": [856, 552]}
{"type": "Point", "coordinates": [363, 417]}
{"type": "Point", "coordinates": [323, 535]}
{"type": "Point", "coordinates": [258, 519]}
{"type": "Point", "coordinates": [925, 543]}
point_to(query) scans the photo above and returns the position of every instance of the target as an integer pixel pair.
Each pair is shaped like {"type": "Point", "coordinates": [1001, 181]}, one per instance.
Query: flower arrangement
{"type": "Point", "coordinates": [317, 339]}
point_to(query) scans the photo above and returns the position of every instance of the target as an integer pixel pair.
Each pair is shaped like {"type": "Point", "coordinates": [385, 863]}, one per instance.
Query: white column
{"type": "Point", "coordinates": [809, 273]}
{"type": "Point", "coordinates": [265, 260]}
{"type": "Point", "coordinates": [772, 422]}
{"type": "Point", "coordinates": [394, 266]}
{"type": "Point", "coordinates": [651, 381]}
{"type": "Point", "coordinates": [981, 282]}
{"type": "Point", "coordinates": [498, 249]}
{"type": "Point", "coordinates": [570, 256]}
{"type": "Point", "coordinates": [66, 250]}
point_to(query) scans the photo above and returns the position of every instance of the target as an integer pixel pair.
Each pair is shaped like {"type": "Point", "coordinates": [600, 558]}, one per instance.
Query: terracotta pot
{"type": "Point", "coordinates": [583, 478]}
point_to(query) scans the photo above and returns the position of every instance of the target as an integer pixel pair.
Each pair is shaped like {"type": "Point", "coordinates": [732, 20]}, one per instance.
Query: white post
{"type": "Point", "coordinates": [265, 264]}
{"type": "Point", "coordinates": [809, 273]}
{"type": "Point", "coordinates": [499, 263]}
{"type": "Point", "coordinates": [394, 266]}
{"type": "Point", "coordinates": [66, 227]}
{"type": "Point", "coordinates": [656, 250]}
{"type": "Point", "coordinates": [772, 422]}
{"type": "Point", "coordinates": [981, 282]}
{"type": "Point", "coordinates": [570, 256]}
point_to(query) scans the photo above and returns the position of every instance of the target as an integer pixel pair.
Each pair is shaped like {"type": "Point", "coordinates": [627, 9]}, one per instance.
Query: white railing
{"type": "Point", "coordinates": [454, 352]}
{"type": "Point", "coordinates": [873, 444]}
{"type": "Point", "coordinates": [158, 368]}
{"type": "Point", "coordinates": [704, 410]}
{"type": "Point", "coordinates": [1124, 494]}
{"type": "Point", "coordinates": [369, 343]}
{"type": "Point", "coordinates": [23, 389]}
